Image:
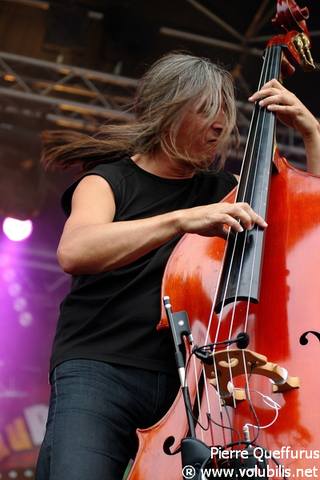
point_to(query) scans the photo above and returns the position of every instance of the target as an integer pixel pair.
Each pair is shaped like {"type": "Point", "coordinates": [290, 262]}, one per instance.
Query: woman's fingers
{"type": "Point", "coordinates": [273, 95]}
{"type": "Point", "coordinates": [227, 219]}
{"type": "Point", "coordinates": [215, 219]}
{"type": "Point", "coordinates": [269, 88]}
{"type": "Point", "coordinates": [247, 216]}
{"type": "Point", "coordinates": [289, 109]}
{"type": "Point", "coordinates": [239, 216]}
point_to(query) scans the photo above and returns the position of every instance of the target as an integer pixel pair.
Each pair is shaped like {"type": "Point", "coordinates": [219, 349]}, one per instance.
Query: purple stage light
{"type": "Point", "coordinates": [20, 304]}
{"type": "Point", "coordinates": [25, 319]}
{"type": "Point", "coordinates": [17, 230]}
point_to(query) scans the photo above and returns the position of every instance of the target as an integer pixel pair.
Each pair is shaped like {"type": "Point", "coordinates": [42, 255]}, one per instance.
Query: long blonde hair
{"type": "Point", "coordinates": [174, 84]}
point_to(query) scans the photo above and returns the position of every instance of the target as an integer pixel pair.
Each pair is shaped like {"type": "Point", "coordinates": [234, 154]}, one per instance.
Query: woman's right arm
{"type": "Point", "coordinates": [92, 243]}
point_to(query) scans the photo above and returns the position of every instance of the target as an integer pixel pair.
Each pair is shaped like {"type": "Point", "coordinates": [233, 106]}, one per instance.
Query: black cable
{"type": "Point", "coordinates": [205, 429]}
{"type": "Point", "coordinates": [229, 419]}
{"type": "Point", "coordinates": [223, 426]}
{"type": "Point", "coordinates": [208, 415]}
{"type": "Point", "coordinates": [190, 410]}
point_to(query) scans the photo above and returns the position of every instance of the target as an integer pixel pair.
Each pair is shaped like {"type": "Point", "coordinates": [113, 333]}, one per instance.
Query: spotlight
{"type": "Point", "coordinates": [25, 319]}
{"type": "Point", "coordinates": [14, 289]}
{"type": "Point", "coordinates": [17, 230]}
{"type": "Point", "coordinates": [20, 304]}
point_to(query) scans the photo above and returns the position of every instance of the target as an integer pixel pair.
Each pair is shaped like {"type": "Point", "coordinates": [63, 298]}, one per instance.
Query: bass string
{"type": "Point", "coordinates": [273, 66]}
{"type": "Point", "coordinates": [257, 123]}
{"type": "Point", "coordinates": [262, 114]}
{"type": "Point", "coordinates": [270, 72]}
{"type": "Point", "coordinates": [275, 62]}
{"type": "Point", "coordinates": [254, 124]}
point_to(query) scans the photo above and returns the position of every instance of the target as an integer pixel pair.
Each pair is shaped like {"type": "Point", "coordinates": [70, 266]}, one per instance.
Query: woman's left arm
{"type": "Point", "coordinates": [293, 113]}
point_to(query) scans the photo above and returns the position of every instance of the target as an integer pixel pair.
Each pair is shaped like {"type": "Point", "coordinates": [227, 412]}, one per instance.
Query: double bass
{"type": "Point", "coordinates": [248, 406]}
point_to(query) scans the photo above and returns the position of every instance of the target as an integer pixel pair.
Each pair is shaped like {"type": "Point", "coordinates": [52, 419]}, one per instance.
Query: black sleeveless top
{"type": "Point", "coordinates": [112, 316]}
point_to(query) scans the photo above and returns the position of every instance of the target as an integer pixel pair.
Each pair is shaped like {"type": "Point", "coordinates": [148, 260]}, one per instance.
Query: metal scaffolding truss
{"type": "Point", "coordinates": [63, 95]}
{"type": "Point", "coordinates": [82, 99]}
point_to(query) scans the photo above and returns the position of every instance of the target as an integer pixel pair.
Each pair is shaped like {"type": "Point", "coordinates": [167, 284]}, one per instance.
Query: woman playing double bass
{"type": "Point", "coordinates": [144, 185]}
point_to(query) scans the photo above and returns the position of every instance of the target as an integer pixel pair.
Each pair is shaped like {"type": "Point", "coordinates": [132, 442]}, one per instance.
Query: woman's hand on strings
{"type": "Point", "coordinates": [214, 220]}
{"type": "Point", "coordinates": [288, 108]}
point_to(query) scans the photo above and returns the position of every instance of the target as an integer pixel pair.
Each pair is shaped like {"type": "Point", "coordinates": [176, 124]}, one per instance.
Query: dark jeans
{"type": "Point", "coordinates": [94, 411]}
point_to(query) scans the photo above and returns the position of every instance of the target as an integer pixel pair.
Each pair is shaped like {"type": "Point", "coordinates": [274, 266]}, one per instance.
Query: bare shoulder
{"type": "Point", "coordinates": [91, 187]}
{"type": "Point", "coordinates": [92, 202]}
